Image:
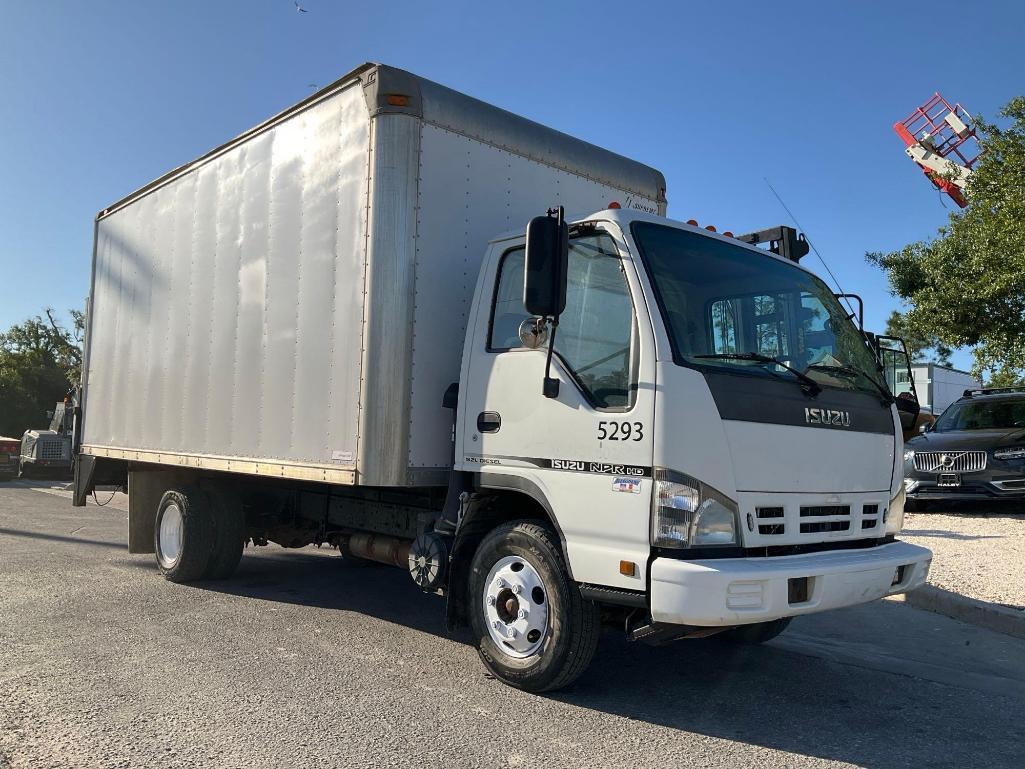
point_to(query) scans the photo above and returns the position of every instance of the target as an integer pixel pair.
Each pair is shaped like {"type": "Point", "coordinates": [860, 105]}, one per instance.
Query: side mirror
{"type": "Point", "coordinates": [547, 260]}
{"type": "Point", "coordinates": [533, 333]}
{"type": "Point", "coordinates": [544, 279]}
{"type": "Point", "coordinates": [926, 428]}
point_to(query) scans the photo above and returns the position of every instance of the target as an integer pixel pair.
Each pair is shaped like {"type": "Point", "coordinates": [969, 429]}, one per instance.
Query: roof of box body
{"type": "Point", "coordinates": [389, 90]}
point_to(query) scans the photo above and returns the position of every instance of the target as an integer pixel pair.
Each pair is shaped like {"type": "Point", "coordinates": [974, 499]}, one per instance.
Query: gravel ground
{"type": "Point", "coordinates": [977, 554]}
{"type": "Point", "coordinates": [307, 660]}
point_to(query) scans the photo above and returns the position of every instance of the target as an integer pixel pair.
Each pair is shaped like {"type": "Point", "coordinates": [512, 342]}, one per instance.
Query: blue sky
{"type": "Point", "coordinates": [101, 97]}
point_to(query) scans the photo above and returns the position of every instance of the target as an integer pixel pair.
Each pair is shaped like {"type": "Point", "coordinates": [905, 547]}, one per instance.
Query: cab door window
{"type": "Point", "coordinates": [595, 339]}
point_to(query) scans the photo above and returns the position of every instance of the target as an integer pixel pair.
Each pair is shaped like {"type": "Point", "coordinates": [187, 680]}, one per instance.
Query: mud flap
{"type": "Point", "coordinates": [85, 468]}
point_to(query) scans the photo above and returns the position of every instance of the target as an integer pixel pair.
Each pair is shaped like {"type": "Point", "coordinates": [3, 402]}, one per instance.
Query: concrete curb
{"type": "Point", "coordinates": [990, 616]}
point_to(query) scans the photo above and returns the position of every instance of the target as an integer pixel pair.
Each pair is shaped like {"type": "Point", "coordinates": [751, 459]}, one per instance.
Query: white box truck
{"type": "Point", "coordinates": [318, 333]}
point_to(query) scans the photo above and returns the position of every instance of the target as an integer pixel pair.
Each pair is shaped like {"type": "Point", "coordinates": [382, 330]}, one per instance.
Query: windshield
{"type": "Point", "coordinates": [723, 300]}
{"type": "Point", "coordinates": [982, 415]}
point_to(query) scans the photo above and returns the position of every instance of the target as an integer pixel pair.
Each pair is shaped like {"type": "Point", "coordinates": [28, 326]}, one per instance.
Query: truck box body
{"type": "Point", "coordinates": [293, 303]}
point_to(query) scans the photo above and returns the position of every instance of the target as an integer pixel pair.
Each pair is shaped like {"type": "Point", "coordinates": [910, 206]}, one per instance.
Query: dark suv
{"type": "Point", "coordinates": [975, 450]}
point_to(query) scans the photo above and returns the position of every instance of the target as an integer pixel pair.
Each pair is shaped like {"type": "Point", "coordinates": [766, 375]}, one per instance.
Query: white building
{"type": "Point", "coordinates": [937, 386]}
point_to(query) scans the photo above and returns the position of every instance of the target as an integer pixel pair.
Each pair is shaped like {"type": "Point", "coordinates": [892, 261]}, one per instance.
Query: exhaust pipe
{"type": "Point", "coordinates": [391, 551]}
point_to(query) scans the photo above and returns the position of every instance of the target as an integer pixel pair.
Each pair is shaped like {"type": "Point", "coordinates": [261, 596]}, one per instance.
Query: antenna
{"type": "Point", "coordinates": [797, 224]}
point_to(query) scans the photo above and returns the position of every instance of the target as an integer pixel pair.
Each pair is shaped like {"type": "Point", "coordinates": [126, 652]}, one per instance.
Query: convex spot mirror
{"type": "Point", "coordinates": [533, 333]}
{"type": "Point", "coordinates": [544, 274]}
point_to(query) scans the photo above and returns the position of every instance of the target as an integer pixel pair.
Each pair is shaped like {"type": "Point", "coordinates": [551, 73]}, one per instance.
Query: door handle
{"type": "Point", "coordinates": [489, 422]}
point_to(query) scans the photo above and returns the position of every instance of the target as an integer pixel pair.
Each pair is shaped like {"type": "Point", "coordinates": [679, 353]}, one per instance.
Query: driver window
{"type": "Point", "coordinates": [595, 336]}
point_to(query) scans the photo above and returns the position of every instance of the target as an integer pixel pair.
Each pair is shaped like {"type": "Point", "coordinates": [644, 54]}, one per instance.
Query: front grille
{"type": "Point", "coordinates": [816, 519]}
{"type": "Point", "coordinates": [950, 461]}
{"type": "Point", "coordinates": [50, 449]}
{"type": "Point", "coordinates": [779, 523]}
{"type": "Point", "coordinates": [770, 520]}
{"type": "Point", "coordinates": [820, 526]}
{"type": "Point", "coordinates": [819, 511]}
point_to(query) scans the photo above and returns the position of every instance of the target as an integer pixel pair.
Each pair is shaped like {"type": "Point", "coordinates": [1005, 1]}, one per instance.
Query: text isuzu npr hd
{"type": "Point", "coordinates": [317, 334]}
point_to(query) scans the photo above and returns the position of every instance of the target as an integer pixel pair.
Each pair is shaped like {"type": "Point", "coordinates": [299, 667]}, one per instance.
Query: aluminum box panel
{"type": "Point", "coordinates": [227, 304]}
{"type": "Point", "coordinates": [469, 192]}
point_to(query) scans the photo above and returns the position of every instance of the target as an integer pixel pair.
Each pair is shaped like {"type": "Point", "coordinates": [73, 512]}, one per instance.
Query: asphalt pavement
{"type": "Point", "coordinates": [304, 659]}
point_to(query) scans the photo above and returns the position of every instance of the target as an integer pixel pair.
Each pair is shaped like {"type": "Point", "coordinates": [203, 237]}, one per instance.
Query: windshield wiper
{"type": "Point", "coordinates": [886, 397]}
{"type": "Point", "coordinates": [808, 384]}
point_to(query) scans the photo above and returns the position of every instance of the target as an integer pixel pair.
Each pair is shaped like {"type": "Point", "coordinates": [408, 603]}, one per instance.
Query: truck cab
{"type": "Point", "coordinates": [722, 448]}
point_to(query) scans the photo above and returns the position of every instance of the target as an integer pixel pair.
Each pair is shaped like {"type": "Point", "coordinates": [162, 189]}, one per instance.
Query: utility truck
{"type": "Point", "coordinates": [318, 333]}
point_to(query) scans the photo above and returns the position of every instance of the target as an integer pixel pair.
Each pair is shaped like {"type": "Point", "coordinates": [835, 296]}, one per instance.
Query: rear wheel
{"type": "Point", "coordinates": [183, 534]}
{"type": "Point", "coordinates": [756, 633]}
{"type": "Point", "coordinates": [229, 524]}
{"type": "Point", "coordinates": [534, 630]}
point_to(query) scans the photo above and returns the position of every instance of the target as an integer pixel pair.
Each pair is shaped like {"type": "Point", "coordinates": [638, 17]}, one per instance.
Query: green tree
{"type": "Point", "coordinates": [39, 360]}
{"type": "Point", "coordinates": [923, 348]}
{"type": "Point", "coordinates": [966, 287]}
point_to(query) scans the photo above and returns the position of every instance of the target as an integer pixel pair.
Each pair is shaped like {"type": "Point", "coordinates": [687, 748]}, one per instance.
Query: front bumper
{"type": "Point", "coordinates": [972, 486]}
{"type": "Point", "coordinates": [738, 591]}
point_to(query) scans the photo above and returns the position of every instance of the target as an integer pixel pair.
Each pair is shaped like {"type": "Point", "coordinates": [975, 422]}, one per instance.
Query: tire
{"type": "Point", "coordinates": [527, 555]}
{"type": "Point", "coordinates": [229, 533]}
{"type": "Point", "coordinates": [757, 633]}
{"type": "Point", "coordinates": [183, 536]}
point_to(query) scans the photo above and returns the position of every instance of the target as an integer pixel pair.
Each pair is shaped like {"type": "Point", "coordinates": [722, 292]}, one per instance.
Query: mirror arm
{"type": "Point", "coordinates": [861, 308]}
{"type": "Point", "coordinates": [550, 387]}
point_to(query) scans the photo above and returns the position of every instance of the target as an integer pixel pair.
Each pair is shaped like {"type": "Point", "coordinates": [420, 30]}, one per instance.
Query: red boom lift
{"type": "Point", "coordinates": [941, 139]}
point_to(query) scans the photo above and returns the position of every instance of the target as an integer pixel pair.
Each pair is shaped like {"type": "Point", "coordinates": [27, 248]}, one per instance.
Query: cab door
{"type": "Point", "coordinates": [586, 455]}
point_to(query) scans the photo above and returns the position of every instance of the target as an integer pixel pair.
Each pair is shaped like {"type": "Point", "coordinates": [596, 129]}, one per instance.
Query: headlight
{"type": "Point", "coordinates": [1018, 452]}
{"type": "Point", "coordinates": [894, 517]}
{"type": "Point", "coordinates": [909, 455]}
{"type": "Point", "coordinates": [689, 513]}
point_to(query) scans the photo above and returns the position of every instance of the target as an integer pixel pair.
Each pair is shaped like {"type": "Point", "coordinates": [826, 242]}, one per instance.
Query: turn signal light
{"type": "Point", "coordinates": [627, 568]}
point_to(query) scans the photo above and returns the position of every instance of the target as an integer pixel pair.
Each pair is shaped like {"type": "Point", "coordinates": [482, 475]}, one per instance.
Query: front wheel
{"type": "Point", "coordinates": [535, 630]}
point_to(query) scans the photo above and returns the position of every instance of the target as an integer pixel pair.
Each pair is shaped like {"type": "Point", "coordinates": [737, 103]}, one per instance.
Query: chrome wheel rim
{"type": "Point", "coordinates": [169, 542]}
{"type": "Point", "coordinates": [516, 607]}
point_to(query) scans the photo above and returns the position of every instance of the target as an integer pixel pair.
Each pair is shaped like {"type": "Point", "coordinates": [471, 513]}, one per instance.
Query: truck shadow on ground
{"type": "Point", "coordinates": [767, 696]}
{"type": "Point", "coordinates": [947, 534]}
{"type": "Point", "coordinates": [774, 698]}
{"type": "Point", "coordinates": [60, 538]}
{"type": "Point", "coordinates": [325, 580]}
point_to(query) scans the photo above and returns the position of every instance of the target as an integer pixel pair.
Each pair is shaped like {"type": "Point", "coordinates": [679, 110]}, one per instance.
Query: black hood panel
{"type": "Point", "coordinates": [759, 398]}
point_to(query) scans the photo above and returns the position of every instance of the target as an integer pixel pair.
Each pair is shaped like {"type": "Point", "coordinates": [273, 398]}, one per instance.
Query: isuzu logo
{"type": "Point", "coordinates": [830, 417]}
